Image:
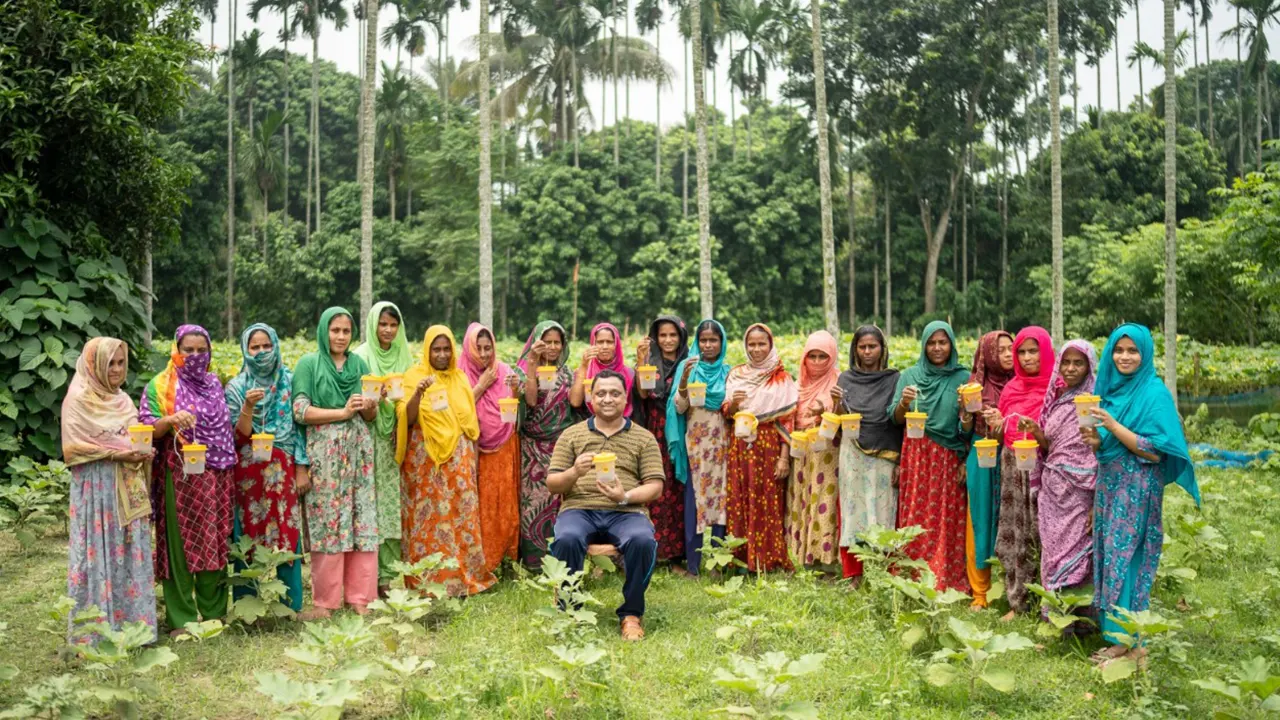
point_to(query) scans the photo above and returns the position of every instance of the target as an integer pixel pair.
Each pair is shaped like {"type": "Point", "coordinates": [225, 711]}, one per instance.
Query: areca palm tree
{"type": "Point", "coordinates": [824, 176]}
{"type": "Point", "coordinates": [1055, 150]}
{"type": "Point", "coordinates": [260, 164]}
{"type": "Point", "coordinates": [1172, 42]}
{"type": "Point", "coordinates": [649, 19]}
{"type": "Point", "coordinates": [366, 155]}
{"type": "Point", "coordinates": [287, 31]}
{"type": "Point", "coordinates": [1143, 53]}
{"type": "Point", "coordinates": [231, 173]}
{"type": "Point", "coordinates": [754, 21]}
{"type": "Point", "coordinates": [1259, 15]}
{"type": "Point", "coordinates": [251, 61]}
{"type": "Point", "coordinates": [396, 107]}
{"type": "Point", "coordinates": [315, 12]}
{"type": "Point", "coordinates": [1206, 14]}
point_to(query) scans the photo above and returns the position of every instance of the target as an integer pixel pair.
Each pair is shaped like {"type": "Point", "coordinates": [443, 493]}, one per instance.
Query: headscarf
{"type": "Point", "coordinates": [1067, 450]}
{"type": "Point", "coordinates": [441, 430]}
{"type": "Point", "coordinates": [1142, 403]}
{"type": "Point", "coordinates": [936, 388]}
{"type": "Point", "coordinates": [990, 374]}
{"type": "Point", "coordinates": [186, 384]}
{"type": "Point", "coordinates": [1024, 395]}
{"type": "Point", "coordinates": [869, 393]}
{"type": "Point", "coordinates": [553, 413]}
{"type": "Point", "coordinates": [274, 413]}
{"type": "Point", "coordinates": [817, 386]}
{"type": "Point", "coordinates": [618, 364]}
{"type": "Point", "coordinates": [770, 390]}
{"type": "Point", "coordinates": [95, 423]}
{"type": "Point", "coordinates": [493, 432]}
{"type": "Point", "coordinates": [666, 368]}
{"type": "Point", "coordinates": [714, 374]}
{"type": "Point", "coordinates": [316, 375]}
{"type": "Point", "coordinates": [395, 359]}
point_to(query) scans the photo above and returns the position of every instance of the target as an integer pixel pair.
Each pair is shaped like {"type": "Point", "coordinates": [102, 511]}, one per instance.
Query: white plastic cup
{"type": "Point", "coordinates": [262, 446]}
{"type": "Point", "coordinates": [193, 457]}
{"type": "Point", "coordinates": [987, 450]}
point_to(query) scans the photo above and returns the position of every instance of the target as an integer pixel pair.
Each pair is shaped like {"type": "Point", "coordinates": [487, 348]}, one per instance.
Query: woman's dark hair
{"type": "Point", "coordinates": [557, 331]}
{"type": "Point", "coordinates": [392, 312]}
{"type": "Point", "coordinates": [610, 375]}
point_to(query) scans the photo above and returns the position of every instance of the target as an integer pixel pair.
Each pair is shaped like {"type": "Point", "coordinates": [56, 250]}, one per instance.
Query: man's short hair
{"type": "Point", "coordinates": [610, 375]}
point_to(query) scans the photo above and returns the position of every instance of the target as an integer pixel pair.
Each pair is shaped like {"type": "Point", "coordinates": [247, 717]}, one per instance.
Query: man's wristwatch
{"type": "Point", "coordinates": [626, 499]}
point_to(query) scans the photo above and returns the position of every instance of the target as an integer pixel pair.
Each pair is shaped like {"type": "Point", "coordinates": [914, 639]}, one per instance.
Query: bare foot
{"type": "Point", "coordinates": [1110, 652]}
{"type": "Point", "coordinates": [679, 571]}
{"type": "Point", "coordinates": [360, 609]}
{"type": "Point", "coordinates": [314, 614]}
{"type": "Point", "coordinates": [1009, 616]}
{"type": "Point", "coordinates": [177, 633]}
{"type": "Point", "coordinates": [975, 607]}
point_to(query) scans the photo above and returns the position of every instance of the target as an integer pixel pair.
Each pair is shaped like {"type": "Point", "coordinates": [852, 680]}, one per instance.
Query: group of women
{"type": "Point", "coordinates": [366, 485]}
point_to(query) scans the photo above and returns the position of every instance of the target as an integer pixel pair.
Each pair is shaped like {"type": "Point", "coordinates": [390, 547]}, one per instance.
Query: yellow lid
{"type": "Point", "coordinates": [699, 385]}
{"type": "Point", "coordinates": [850, 417]}
{"type": "Point", "coordinates": [547, 369]}
{"type": "Point", "coordinates": [393, 376]}
{"type": "Point", "coordinates": [509, 402]}
{"type": "Point", "coordinates": [141, 429]}
{"type": "Point", "coordinates": [1025, 444]}
{"type": "Point", "coordinates": [971, 387]}
{"type": "Point", "coordinates": [646, 368]}
{"type": "Point", "coordinates": [744, 413]}
{"type": "Point", "coordinates": [913, 415]}
{"type": "Point", "coordinates": [263, 436]}
{"type": "Point", "coordinates": [194, 448]}
{"type": "Point", "coordinates": [987, 443]}
{"type": "Point", "coordinates": [830, 417]}
{"type": "Point", "coordinates": [604, 457]}
{"type": "Point", "coordinates": [1087, 399]}
{"type": "Point", "coordinates": [800, 435]}
{"type": "Point", "coordinates": [587, 382]}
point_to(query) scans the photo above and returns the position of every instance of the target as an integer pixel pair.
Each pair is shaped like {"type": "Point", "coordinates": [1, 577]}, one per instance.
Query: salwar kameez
{"type": "Point", "coordinates": [757, 500]}
{"type": "Point", "coordinates": [341, 512]}
{"type": "Point", "coordinates": [442, 515]}
{"type": "Point", "coordinates": [266, 509]}
{"type": "Point", "coordinates": [386, 485]}
{"type": "Point", "coordinates": [1016, 538]}
{"type": "Point", "coordinates": [1128, 534]}
{"type": "Point", "coordinates": [193, 520]}
{"type": "Point", "coordinates": [538, 507]}
{"type": "Point", "coordinates": [109, 565]}
{"type": "Point", "coordinates": [931, 494]}
{"type": "Point", "coordinates": [707, 445]}
{"type": "Point", "coordinates": [983, 488]}
{"type": "Point", "coordinates": [813, 513]}
{"type": "Point", "coordinates": [867, 497]}
{"type": "Point", "coordinates": [499, 503]}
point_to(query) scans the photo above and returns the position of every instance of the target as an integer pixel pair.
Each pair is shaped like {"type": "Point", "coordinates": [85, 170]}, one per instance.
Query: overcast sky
{"type": "Point", "coordinates": [340, 47]}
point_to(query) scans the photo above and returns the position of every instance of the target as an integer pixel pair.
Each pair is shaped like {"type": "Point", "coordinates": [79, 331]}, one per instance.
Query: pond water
{"type": "Point", "coordinates": [1238, 408]}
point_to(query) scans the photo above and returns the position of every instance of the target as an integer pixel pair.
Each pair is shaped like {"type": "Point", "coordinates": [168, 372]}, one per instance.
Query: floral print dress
{"type": "Point", "coordinates": [1128, 532]}
{"type": "Point", "coordinates": [707, 439]}
{"type": "Point", "coordinates": [931, 494]}
{"type": "Point", "coordinates": [667, 512]}
{"type": "Point", "coordinates": [342, 505]}
{"type": "Point", "coordinates": [813, 520]}
{"type": "Point", "coordinates": [757, 499]}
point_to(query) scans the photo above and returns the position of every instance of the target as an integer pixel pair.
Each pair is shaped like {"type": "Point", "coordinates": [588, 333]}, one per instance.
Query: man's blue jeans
{"type": "Point", "coordinates": [630, 532]}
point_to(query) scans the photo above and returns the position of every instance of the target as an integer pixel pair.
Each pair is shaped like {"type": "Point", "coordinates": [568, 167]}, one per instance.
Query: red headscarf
{"type": "Point", "coordinates": [493, 432]}
{"type": "Point", "coordinates": [618, 364]}
{"type": "Point", "coordinates": [1024, 395]}
{"type": "Point", "coordinates": [988, 373]}
{"type": "Point", "coordinates": [817, 386]}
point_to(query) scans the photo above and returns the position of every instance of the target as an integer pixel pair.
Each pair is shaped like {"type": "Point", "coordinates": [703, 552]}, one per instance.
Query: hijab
{"type": "Point", "coordinates": [316, 375]}
{"type": "Point", "coordinates": [713, 374]}
{"type": "Point", "coordinates": [1067, 450]}
{"type": "Point", "coordinates": [770, 390]}
{"type": "Point", "coordinates": [618, 364]}
{"type": "Point", "coordinates": [186, 384]}
{"type": "Point", "coordinates": [274, 413]}
{"type": "Point", "coordinates": [395, 359]}
{"type": "Point", "coordinates": [936, 390]}
{"type": "Point", "coordinates": [666, 368]}
{"type": "Point", "coordinates": [553, 413]}
{"type": "Point", "coordinates": [493, 432]}
{"type": "Point", "coordinates": [1142, 403]}
{"type": "Point", "coordinates": [869, 392]}
{"type": "Point", "coordinates": [440, 430]}
{"type": "Point", "coordinates": [95, 423]}
{"type": "Point", "coordinates": [817, 385]}
{"type": "Point", "coordinates": [1024, 395]}
{"type": "Point", "coordinates": [990, 374]}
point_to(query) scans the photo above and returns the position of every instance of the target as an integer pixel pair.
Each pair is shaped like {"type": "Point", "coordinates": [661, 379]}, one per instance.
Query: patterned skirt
{"type": "Point", "coordinates": [931, 494]}
{"type": "Point", "coordinates": [813, 514]}
{"type": "Point", "coordinates": [538, 507]}
{"type": "Point", "coordinates": [667, 512]}
{"type": "Point", "coordinates": [756, 501]}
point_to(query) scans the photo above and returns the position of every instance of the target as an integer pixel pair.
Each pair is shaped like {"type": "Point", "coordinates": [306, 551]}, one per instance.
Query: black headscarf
{"type": "Point", "coordinates": [657, 400]}
{"type": "Point", "coordinates": [871, 393]}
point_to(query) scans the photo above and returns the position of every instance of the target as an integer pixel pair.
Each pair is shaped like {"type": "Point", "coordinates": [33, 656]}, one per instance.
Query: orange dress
{"type": "Point", "coordinates": [440, 513]}
{"type": "Point", "coordinates": [500, 503]}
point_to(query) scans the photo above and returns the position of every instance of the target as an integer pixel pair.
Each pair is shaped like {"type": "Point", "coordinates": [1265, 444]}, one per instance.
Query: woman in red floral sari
{"type": "Point", "coordinates": [665, 347]}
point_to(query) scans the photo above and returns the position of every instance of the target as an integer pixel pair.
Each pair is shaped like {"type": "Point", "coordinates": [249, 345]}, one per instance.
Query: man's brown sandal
{"type": "Point", "coordinates": [631, 629]}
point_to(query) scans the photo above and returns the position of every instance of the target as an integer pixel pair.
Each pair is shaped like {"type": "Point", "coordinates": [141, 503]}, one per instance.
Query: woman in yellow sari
{"type": "Point", "coordinates": [436, 433]}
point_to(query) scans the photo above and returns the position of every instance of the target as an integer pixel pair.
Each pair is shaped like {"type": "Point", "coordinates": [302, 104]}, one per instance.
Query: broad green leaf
{"type": "Point", "coordinates": [1008, 643]}
{"type": "Point", "coordinates": [737, 711]}
{"type": "Point", "coordinates": [1118, 669]}
{"type": "Point", "coordinates": [554, 674]}
{"type": "Point", "coordinates": [912, 635]}
{"type": "Point", "coordinates": [305, 655]}
{"type": "Point", "coordinates": [1001, 680]}
{"type": "Point", "coordinates": [153, 658]}
{"type": "Point", "coordinates": [798, 710]}
{"type": "Point", "coordinates": [20, 381]}
{"type": "Point", "coordinates": [941, 674]}
{"type": "Point", "coordinates": [1218, 687]}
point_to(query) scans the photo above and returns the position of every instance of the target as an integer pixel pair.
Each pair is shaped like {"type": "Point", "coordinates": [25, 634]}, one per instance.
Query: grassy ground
{"type": "Point", "coordinates": [486, 657]}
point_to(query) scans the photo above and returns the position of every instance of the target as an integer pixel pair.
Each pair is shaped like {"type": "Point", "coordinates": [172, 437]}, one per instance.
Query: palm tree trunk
{"type": "Point", "coordinates": [853, 296]}
{"type": "Point", "coordinates": [486, 176]}
{"type": "Point", "coordinates": [1170, 203]}
{"type": "Point", "coordinates": [562, 132]}
{"type": "Point", "coordinates": [502, 131]}
{"type": "Point", "coordinates": [231, 174]}
{"type": "Point", "coordinates": [733, 108]}
{"type": "Point", "coordinates": [391, 188]}
{"type": "Point", "coordinates": [1209, 85]}
{"type": "Point", "coordinates": [1239, 97]}
{"type": "Point", "coordinates": [367, 128]}
{"type": "Point", "coordinates": [746, 101]}
{"type": "Point", "coordinates": [626, 19]}
{"type": "Point", "coordinates": [288, 81]}
{"type": "Point", "coordinates": [1075, 93]}
{"type": "Point", "coordinates": [1257, 103]}
{"type": "Point", "coordinates": [1195, 59]}
{"type": "Point", "coordinates": [704, 186]}
{"type": "Point", "coordinates": [1119, 102]}
{"type": "Point", "coordinates": [573, 70]}
{"type": "Point", "coordinates": [613, 50]}
{"type": "Point", "coordinates": [832, 312]}
{"type": "Point", "coordinates": [1142, 93]}
{"type": "Point", "coordinates": [148, 292]}
{"type": "Point", "coordinates": [1055, 131]}
{"type": "Point", "coordinates": [315, 103]}
{"type": "Point", "coordinates": [447, 89]}
{"type": "Point", "coordinates": [657, 123]}
{"type": "Point", "coordinates": [964, 224]}
{"type": "Point", "coordinates": [1098, 80]}
{"type": "Point", "coordinates": [715, 103]}
{"type": "Point", "coordinates": [888, 261]}
{"type": "Point", "coordinates": [684, 136]}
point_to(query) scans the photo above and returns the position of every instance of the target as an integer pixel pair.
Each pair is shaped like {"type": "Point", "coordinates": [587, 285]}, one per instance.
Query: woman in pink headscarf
{"type": "Point", "coordinates": [813, 517]}
{"type": "Point", "coordinates": [499, 473]}
{"type": "Point", "coordinates": [604, 353]}
{"type": "Point", "coordinates": [1022, 399]}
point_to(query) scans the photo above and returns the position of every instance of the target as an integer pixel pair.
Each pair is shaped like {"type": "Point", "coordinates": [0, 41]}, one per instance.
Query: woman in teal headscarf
{"type": "Point", "coordinates": [931, 490]}
{"type": "Point", "coordinates": [1141, 449]}
{"type": "Point", "coordinates": [386, 351]}
{"type": "Point", "coordinates": [698, 440]}
{"type": "Point", "coordinates": [341, 507]}
{"type": "Point", "coordinates": [260, 400]}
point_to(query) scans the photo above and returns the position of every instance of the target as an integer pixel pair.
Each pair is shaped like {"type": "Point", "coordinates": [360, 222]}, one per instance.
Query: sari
{"type": "Point", "coordinates": [499, 461]}
{"type": "Point", "coordinates": [618, 364]}
{"type": "Point", "coordinates": [109, 562]}
{"type": "Point", "coordinates": [540, 427]}
{"type": "Point", "coordinates": [983, 484]}
{"type": "Point", "coordinates": [756, 497]}
{"type": "Point", "coordinates": [813, 513]}
{"type": "Point", "coordinates": [931, 483]}
{"type": "Point", "coordinates": [441, 512]}
{"type": "Point", "coordinates": [666, 512]}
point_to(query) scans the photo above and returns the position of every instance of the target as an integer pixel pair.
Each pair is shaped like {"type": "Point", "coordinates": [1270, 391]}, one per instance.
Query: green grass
{"type": "Point", "coordinates": [486, 656]}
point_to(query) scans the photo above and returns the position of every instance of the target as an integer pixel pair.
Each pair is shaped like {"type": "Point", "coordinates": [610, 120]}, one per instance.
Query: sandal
{"type": "Point", "coordinates": [631, 629]}
{"type": "Point", "coordinates": [315, 614]}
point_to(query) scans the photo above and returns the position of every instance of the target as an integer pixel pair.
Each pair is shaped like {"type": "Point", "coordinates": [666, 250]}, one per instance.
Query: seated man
{"type": "Point", "coordinates": [614, 513]}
